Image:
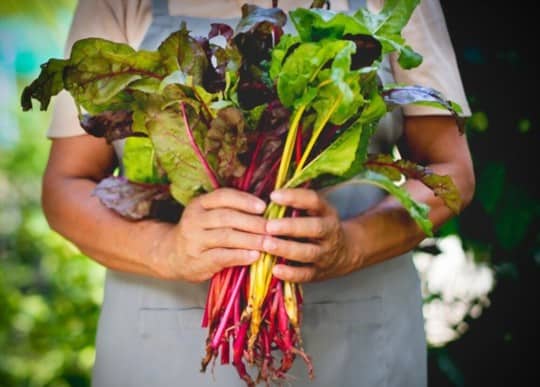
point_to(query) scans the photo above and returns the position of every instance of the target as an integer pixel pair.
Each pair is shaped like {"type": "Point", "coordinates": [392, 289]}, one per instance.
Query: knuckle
{"type": "Point", "coordinates": [319, 227]}
{"type": "Point", "coordinates": [314, 198]}
{"type": "Point", "coordinates": [225, 236]}
{"type": "Point", "coordinates": [223, 217]}
{"type": "Point", "coordinates": [313, 252]}
{"type": "Point", "coordinates": [223, 260]}
{"type": "Point", "coordinates": [258, 242]}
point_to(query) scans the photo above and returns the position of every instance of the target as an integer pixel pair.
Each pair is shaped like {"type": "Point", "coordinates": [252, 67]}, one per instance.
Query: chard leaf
{"type": "Point", "coordinates": [180, 51]}
{"type": "Point", "coordinates": [131, 200]}
{"type": "Point", "coordinates": [335, 160]}
{"type": "Point", "coordinates": [339, 96]}
{"type": "Point", "coordinates": [220, 29]}
{"type": "Point", "coordinates": [224, 141]}
{"type": "Point", "coordinates": [345, 157]}
{"type": "Point", "coordinates": [280, 52]}
{"type": "Point", "coordinates": [139, 161]}
{"type": "Point", "coordinates": [49, 83]}
{"type": "Point", "coordinates": [303, 65]}
{"type": "Point", "coordinates": [396, 95]}
{"type": "Point", "coordinates": [368, 50]}
{"type": "Point", "coordinates": [97, 75]}
{"type": "Point", "coordinates": [174, 150]}
{"type": "Point", "coordinates": [315, 24]}
{"type": "Point", "coordinates": [391, 19]}
{"type": "Point", "coordinates": [99, 72]}
{"type": "Point", "coordinates": [259, 19]}
{"type": "Point", "coordinates": [387, 25]}
{"type": "Point", "coordinates": [112, 125]}
{"type": "Point", "coordinates": [418, 211]}
{"type": "Point", "coordinates": [442, 186]}
{"type": "Point", "coordinates": [255, 35]}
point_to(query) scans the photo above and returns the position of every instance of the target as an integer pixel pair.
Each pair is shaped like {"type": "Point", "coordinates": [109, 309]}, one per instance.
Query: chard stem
{"type": "Point", "coordinates": [225, 317]}
{"type": "Point", "coordinates": [315, 136]}
{"type": "Point", "coordinates": [289, 147]}
{"type": "Point", "coordinates": [209, 172]}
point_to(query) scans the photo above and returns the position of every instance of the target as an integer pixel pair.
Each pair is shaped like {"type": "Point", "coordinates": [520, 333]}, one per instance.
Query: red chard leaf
{"type": "Point", "coordinates": [131, 200]}
{"type": "Point", "coordinates": [112, 125]}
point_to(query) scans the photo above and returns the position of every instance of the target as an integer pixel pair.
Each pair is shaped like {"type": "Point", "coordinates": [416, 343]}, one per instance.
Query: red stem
{"type": "Point", "coordinates": [298, 147]}
{"type": "Point", "coordinates": [223, 290]}
{"type": "Point", "coordinates": [197, 150]}
{"type": "Point", "coordinates": [225, 317]}
{"type": "Point", "coordinates": [268, 179]}
{"type": "Point", "coordinates": [246, 182]}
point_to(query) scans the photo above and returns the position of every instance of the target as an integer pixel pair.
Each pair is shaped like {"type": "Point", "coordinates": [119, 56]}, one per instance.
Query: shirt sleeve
{"type": "Point", "coordinates": [123, 21]}
{"type": "Point", "coordinates": [428, 35]}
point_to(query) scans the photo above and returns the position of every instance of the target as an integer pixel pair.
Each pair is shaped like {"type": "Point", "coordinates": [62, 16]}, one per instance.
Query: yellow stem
{"type": "Point", "coordinates": [289, 147]}
{"type": "Point", "coordinates": [315, 136]}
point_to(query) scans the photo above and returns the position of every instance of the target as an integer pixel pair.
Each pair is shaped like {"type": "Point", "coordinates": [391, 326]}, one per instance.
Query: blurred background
{"type": "Point", "coordinates": [480, 274]}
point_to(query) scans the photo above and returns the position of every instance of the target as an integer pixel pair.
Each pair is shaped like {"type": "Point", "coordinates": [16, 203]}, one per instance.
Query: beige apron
{"type": "Point", "coordinates": [362, 330]}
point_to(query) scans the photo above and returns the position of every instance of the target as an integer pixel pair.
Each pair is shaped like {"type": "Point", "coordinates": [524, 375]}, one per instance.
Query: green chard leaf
{"type": "Point", "coordinates": [418, 211]}
{"type": "Point", "coordinates": [442, 186]}
{"type": "Point", "coordinates": [100, 71]}
{"type": "Point", "coordinates": [97, 75]}
{"type": "Point", "coordinates": [391, 19]}
{"type": "Point", "coordinates": [385, 26]}
{"type": "Point", "coordinates": [286, 45]}
{"type": "Point", "coordinates": [335, 160]}
{"type": "Point", "coordinates": [345, 157]}
{"type": "Point", "coordinates": [339, 95]}
{"type": "Point", "coordinates": [315, 24]}
{"type": "Point", "coordinates": [175, 152]}
{"type": "Point", "coordinates": [139, 161]}
{"type": "Point", "coordinates": [303, 65]}
{"type": "Point", "coordinates": [49, 83]}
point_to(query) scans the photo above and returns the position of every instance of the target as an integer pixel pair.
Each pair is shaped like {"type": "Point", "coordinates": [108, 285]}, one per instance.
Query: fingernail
{"type": "Point", "coordinates": [272, 226]}
{"type": "Point", "coordinates": [276, 270]}
{"type": "Point", "coordinates": [276, 196]}
{"type": "Point", "coordinates": [269, 244]}
{"type": "Point", "coordinates": [254, 254]}
{"type": "Point", "coordinates": [260, 206]}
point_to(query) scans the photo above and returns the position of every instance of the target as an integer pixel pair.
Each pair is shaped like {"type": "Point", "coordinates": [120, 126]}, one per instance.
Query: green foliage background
{"type": "Point", "coordinates": [50, 294]}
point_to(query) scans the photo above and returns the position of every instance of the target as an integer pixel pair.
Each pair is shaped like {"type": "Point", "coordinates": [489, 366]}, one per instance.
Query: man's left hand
{"type": "Point", "coordinates": [318, 241]}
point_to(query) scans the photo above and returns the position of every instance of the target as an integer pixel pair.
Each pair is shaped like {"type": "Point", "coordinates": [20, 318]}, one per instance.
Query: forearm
{"type": "Point", "coordinates": [387, 230]}
{"type": "Point", "coordinates": [99, 233]}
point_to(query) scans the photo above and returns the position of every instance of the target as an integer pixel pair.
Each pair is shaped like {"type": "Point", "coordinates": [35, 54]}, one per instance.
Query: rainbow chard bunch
{"type": "Point", "coordinates": [263, 111]}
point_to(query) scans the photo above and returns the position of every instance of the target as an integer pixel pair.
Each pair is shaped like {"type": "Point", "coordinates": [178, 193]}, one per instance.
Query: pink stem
{"type": "Point", "coordinates": [197, 150]}
{"type": "Point", "coordinates": [249, 173]}
{"type": "Point", "coordinates": [225, 317]}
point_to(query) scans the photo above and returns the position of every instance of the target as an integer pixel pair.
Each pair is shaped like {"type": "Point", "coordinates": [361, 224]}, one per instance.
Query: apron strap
{"type": "Point", "coordinates": [355, 4]}
{"type": "Point", "coordinates": [160, 8]}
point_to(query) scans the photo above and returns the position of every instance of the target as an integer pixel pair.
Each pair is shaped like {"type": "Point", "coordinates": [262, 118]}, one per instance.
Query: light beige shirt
{"type": "Point", "coordinates": [127, 21]}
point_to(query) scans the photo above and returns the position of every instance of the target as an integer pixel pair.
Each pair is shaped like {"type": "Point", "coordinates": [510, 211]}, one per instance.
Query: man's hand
{"type": "Point", "coordinates": [217, 230]}
{"type": "Point", "coordinates": [320, 241]}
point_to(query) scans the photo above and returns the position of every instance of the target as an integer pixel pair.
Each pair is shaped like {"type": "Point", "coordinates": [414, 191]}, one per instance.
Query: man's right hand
{"type": "Point", "coordinates": [217, 230]}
